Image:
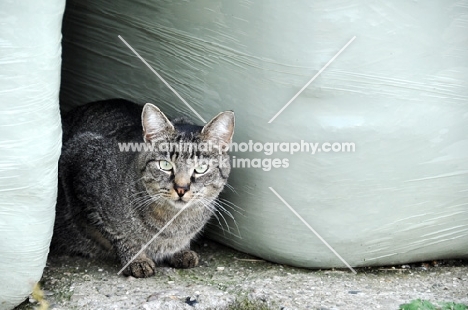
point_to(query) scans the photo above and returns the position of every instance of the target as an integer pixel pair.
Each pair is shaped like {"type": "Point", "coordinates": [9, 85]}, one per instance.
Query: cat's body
{"type": "Point", "coordinates": [112, 202]}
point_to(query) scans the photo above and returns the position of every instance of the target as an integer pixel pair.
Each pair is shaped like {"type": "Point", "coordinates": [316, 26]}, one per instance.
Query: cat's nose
{"type": "Point", "coordinates": [181, 190]}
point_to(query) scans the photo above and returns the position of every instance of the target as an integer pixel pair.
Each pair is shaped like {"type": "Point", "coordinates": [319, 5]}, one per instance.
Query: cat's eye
{"type": "Point", "coordinates": [164, 165]}
{"type": "Point", "coordinates": [200, 169]}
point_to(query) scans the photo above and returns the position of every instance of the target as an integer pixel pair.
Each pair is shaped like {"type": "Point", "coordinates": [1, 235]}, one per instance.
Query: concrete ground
{"type": "Point", "coordinates": [227, 279]}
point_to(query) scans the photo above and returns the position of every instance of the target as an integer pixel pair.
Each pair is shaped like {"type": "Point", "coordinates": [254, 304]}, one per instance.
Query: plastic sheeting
{"type": "Point", "coordinates": [398, 92]}
{"type": "Point", "coordinates": [30, 139]}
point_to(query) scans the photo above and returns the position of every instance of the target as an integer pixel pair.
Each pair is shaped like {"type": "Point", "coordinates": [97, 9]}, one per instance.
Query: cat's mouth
{"type": "Point", "coordinates": [180, 202]}
{"type": "Point", "coordinates": [181, 198]}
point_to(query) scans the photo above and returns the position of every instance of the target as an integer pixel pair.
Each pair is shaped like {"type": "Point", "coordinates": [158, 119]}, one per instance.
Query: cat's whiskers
{"type": "Point", "coordinates": [220, 208]}
{"type": "Point", "coordinates": [232, 205]}
{"type": "Point", "coordinates": [166, 196]}
{"type": "Point", "coordinates": [158, 202]}
{"type": "Point", "coordinates": [144, 195]}
{"type": "Point", "coordinates": [219, 222]}
{"type": "Point", "coordinates": [206, 203]}
{"type": "Point", "coordinates": [143, 202]}
{"type": "Point", "coordinates": [215, 208]}
{"type": "Point", "coordinates": [139, 193]}
{"type": "Point", "coordinates": [231, 188]}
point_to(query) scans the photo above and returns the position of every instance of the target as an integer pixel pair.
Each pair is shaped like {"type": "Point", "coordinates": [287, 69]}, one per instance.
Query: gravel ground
{"type": "Point", "coordinates": [227, 279]}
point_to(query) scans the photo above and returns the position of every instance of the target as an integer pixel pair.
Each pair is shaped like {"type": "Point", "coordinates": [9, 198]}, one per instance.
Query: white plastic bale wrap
{"type": "Point", "coordinates": [30, 139]}
{"type": "Point", "coordinates": [399, 92]}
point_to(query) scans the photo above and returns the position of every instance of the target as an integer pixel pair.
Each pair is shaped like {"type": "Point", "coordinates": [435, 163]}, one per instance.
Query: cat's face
{"type": "Point", "coordinates": [186, 164]}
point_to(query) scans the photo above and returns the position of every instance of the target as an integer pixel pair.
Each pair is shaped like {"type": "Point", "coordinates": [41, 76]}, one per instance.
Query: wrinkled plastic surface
{"type": "Point", "coordinates": [30, 139]}
{"type": "Point", "coordinates": [399, 92]}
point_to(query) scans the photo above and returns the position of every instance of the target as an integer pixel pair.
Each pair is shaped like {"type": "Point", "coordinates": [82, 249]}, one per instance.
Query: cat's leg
{"type": "Point", "coordinates": [141, 267]}
{"type": "Point", "coordinates": [184, 259]}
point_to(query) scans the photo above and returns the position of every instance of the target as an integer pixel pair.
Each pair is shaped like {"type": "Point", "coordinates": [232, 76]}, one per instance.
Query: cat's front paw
{"type": "Point", "coordinates": [141, 268]}
{"type": "Point", "coordinates": [184, 259]}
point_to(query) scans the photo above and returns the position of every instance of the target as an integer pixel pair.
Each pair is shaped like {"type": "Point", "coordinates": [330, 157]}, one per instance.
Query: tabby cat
{"type": "Point", "coordinates": [111, 202]}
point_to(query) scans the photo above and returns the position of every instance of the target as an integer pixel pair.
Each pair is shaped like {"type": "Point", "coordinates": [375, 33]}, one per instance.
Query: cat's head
{"type": "Point", "coordinates": [188, 163]}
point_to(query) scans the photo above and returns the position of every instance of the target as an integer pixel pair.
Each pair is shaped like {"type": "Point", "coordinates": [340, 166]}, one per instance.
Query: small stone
{"type": "Point", "coordinates": [170, 282]}
{"type": "Point", "coordinates": [191, 301]}
{"type": "Point", "coordinates": [220, 268]}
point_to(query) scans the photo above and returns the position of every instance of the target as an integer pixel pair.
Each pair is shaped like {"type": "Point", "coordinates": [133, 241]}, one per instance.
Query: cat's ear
{"type": "Point", "coordinates": [155, 123]}
{"type": "Point", "coordinates": [220, 129]}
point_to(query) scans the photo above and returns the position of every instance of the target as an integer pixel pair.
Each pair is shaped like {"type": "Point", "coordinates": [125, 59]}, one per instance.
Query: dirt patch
{"type": "Point", "coordinates": [227, 279]}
